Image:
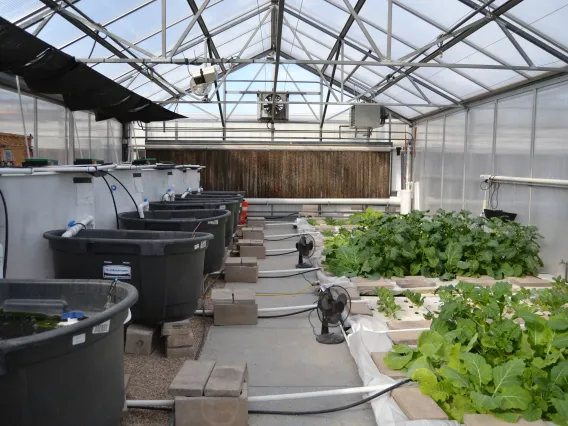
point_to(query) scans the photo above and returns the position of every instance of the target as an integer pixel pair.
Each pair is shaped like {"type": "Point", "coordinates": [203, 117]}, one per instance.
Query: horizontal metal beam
{"type": "Point", "coordinates": [199, 61]}
{"type": "Point", "coordinates": [254, 92]}
{"type": "Point", "coordinates": [392, 104]}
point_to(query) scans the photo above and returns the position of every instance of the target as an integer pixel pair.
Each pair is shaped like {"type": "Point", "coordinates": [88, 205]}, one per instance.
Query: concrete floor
{"type": "Point", "coordinates": [282, 353]}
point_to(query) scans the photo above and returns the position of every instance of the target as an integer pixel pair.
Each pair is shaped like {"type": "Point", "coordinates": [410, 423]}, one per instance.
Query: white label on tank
{"type": "Point", "coordinates": [196, 247]}
{"type": "Point", "coordinates": [102, 328]}
{"type": "Point", "coordinates": [203, 244]}
{"type": "Point", "coordinates": [122, 272]}
{"type": "Point", "coordinates": [213, 222]}
{"type": "Point", "coordinates": [78, 339]}
{"type": "Point", "coordinates": [222, 207]}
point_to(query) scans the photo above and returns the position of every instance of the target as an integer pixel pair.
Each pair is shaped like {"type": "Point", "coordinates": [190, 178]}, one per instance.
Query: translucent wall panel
{"type": "Point", "coordinates": [99, 140]}
{"type": "Point", "coordinates": [432, 187]}
{"type": "Point", "coordinates": [11, 117]}
{"type": "Point", "coordinates": [81, 134]}
{"type": "Point", "coordinates": [478, 159]}
{"type": "Point", "coordinates": [115, 136]}
{"type": "Point", "coordinates": [548, 205]}
{"type": "Point", "coordinates": [52, 134]}
{"type": "Point", "coordinates": [512, 153]}
{"type": "Point", "coordinates": [454, 141]}
{"type": "Point", "coordinates": [418, 165]}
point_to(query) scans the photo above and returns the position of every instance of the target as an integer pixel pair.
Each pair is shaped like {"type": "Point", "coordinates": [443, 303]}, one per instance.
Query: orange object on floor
{"type": "Point", "coordinates": [244, 210]}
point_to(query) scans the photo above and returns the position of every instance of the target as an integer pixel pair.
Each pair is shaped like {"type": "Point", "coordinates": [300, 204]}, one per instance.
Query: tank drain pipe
{"type": "Point", "coordinates": [169, 196]}
{"type": "Point", "coordinates": [186, 193]}
{"type": "Point", "coordinates": [74, 227]}
{"type": "Point", "coordinates": [144, 206]}
{"type": "Point", "coordinates": [268, 398]}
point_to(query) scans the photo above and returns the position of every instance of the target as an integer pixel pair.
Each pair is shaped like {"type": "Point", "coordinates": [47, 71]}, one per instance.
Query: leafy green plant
{"type": "Point", "coordinates": [327, 232]}
{"type": "Point", "coordinates": [329, 221]}
{"type": "Point", "coordinates": [386, 303]}
{"type": "Point", "coordinates": [442, 245]}
{"type": "Point", "coordinates": [476, 358]}
{"type": "Point", "coordinates": [415, 298]}
{"type": "Point", "coordinates": [312, 222]}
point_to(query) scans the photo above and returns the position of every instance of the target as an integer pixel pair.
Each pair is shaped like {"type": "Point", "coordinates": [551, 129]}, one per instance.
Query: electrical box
{"type": "Point", "coordinates": [265, 104]}
{"type": "Point", "coordinates": [204, 75]}
{"type": "Point", "coordinates": [368, 115]}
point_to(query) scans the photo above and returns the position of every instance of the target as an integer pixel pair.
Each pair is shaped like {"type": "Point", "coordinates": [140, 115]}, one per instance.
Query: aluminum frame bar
{"type": "Point", "coordinates": [189, 28]}
{"type": "Point", "coordinates": [364, 30]}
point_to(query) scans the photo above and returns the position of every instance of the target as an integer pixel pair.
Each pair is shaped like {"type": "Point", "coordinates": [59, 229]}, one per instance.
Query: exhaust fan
{"type": "Point", "coordinates": [266, 102]}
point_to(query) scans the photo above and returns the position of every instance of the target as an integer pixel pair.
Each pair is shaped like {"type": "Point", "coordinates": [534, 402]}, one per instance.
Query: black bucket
{"type": "Point", "coordinates": [206, 197]}
{"type": "Point", "coordinates": [165, 267]}
{"type": "Point", "coordinates": [71, 375]}
{"type": "Point", "coordinates": [213, 222]}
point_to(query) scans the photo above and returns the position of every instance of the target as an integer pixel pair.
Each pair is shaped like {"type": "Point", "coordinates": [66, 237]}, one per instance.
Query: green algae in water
{"type": "Point", "coordinates": [22, 324]}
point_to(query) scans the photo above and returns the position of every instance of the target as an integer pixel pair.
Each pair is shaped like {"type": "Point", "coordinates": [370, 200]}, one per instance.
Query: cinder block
{"type": "Point", "coordinates": [360, 308]}
{"type": "Point", "coordinates": [176, 327]}
{"type": "Point", "coordinates": [484, 280]}
{"type": "Point", "coordinates": [183, 352]}
{"type": "Point", "coordinates": [179, 340]}
{"type": "Point", "coordinates": [191, 378]}
{"type": "Point", "coordinates": [529, 282]}
{"type": "Point", "coordinates": [253, 233]}
{"type": "Point", "coordinates": [353, 293]}
{"type": "Point", "coordinates": [233, 261]}
{"type": "Point", "coordinates": [242, 274]}
{"type": "Point", "coordinates": [378, 360]}
{"type": "Point", "coordinates": [489, 420]}
{"type": "Point", "coordinates": [139, 339]}
{"type": "Point", "coordinates": [403, 325]}
{"type": "Point", "coordinates": [417, 406]}
{"type": "Point", "coordinates": [206, 411]}
{"type": "Point", "coordinates": [253, 251]}
{"type": "Point", "coordinates": [256, 222]}
{"type": "Point", "coordinates": [404, 337]}
{"type": "Point", "coordinates": [236, 314]}
{"type": "Point", "coordinates": [244, 295]}
{"type": "Point", "coordinates": [248, 261]}
{"type": "Point", "coordinates": [226, 380]}
{"type": "Point", "coordinates": [221, 295]}
{"type": "Point", "coordinates": [413, 282]}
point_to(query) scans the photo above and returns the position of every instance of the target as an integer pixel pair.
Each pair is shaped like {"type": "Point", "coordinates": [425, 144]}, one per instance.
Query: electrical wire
{"type": "Point", "coordinates": [6, 236]}
{"type": "Point", "coordinates": [288, 314]}
{"type": "Point", "coordinates": [285, 294]}
{"type": "Point", "coordinates": [193, 235]}
{"type": "Point", "coordinates": [282, 254]}
{"type": "Point", "coordinates": [286, 276]}
{"type": "Point", "coordinates": [285, 238]}
{"type": "Point", "coordinates": [493, 188]}
{"type": "Point", "coordinates": [113, 202]}
{"type": "Point", "coordinates": [334, 409]}
{"type": "Point", "coordinates": [282, 217]}
{"type": "Point", "coordinates": [126, 189]}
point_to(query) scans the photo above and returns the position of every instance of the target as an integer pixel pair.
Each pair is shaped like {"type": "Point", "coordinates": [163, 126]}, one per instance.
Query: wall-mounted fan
{"type": "Point", "coordinates": [334, 304]}
{"type": "Point", "coordinates": [267, 101]}
{"type": "Point", "coordinates": [202, 80]}
{"type": "Point", "coordinates": [306, 248]}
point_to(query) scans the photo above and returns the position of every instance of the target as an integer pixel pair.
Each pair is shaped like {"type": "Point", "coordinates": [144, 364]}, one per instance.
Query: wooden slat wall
{"type": "Point", "coordinates": [289, 174]}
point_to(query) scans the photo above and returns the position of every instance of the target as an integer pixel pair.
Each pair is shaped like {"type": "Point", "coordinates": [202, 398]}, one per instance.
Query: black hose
{"type": "Point", "coordinates": [335, 409]}
{"type": "Point", "coordinates": [285, 238]}
{"type": "Point", "coordinates": [113, 202]}
{"type": "Point", "coordinates": [6, 239]}
{"type": "Point", "coordinates": [288, 314]}
{"type": "Point", "coordinates": [152, 408]}
{"type": "Point", "coordinates": [292, 275]}
{"type": "Point", "coordinates": [127, 191]}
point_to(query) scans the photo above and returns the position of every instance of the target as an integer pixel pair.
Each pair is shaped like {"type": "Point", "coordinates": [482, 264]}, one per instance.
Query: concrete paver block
{"type": "Point", "coordinates": [405, 337]}
{"type": "Point", "coordinates": [242, 274]}
{"type": "Point", "coordinates": [489, 420]}
{"type": "Point", "coordinates": [253, 233]}
{"type": "Point", "coordinates": [366, 286]}
{"type": "Point", "coordinates": [484, 280]}
{"type": "Point", "coordinates": [403, 325]}
{"type": "Point", "coordinates": [191, 378]}
{"type": "Point", "coordinates": [417, 406]}
{"type": "Point", "coordinates": [139, 339]}
{"type": "Point", "coordinates": [226, 380]}
{"type": "Point", "coordinates": [529, 282]}
{"type": "Point", "coordinates": [233, 261]}
{"type": "Point", "coordinates": [221, 295]}
{"type": "Point", "coordinates": [378, 360]}
{"type": "Point", "coordinates": [183, 352]}
{"type": "Point", "coordinates": [244, 295]}
{"type": "Point", "coordinates": [256, 222]}
{"type": "Point", "coordinates": [249, 261]}
{"type": "Point", "coordinates": [414, 282]}
{"type": "Point", "coordinates": [205, 411]}
{"type": "Point", "coordinates": [360, 309]}
{"type": "Point", "coordinates": [179, 340]}
{"type": "Point", "coordinates": [256, 251]}
{"type": "Point", "coordinates": [353, 293]}
{"type": "Point", "coordinates": [176, 327]}
{"type": "Point", "coordinates": [236, 314]}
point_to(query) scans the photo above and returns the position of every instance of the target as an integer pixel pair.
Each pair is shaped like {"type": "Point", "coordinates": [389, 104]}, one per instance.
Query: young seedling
{"type": "Point", "coordinates": [386, 303]}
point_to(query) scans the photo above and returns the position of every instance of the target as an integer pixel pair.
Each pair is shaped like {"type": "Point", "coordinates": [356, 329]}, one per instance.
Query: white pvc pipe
{"type": "Point", "coordinates": [279, 309]}
{"type": "Point", "coordinates": [283, 250]}
{"type": "Point", "coordinates": [524, 180]}
{"type": "Point", "coordinates": [395, 331]}
{"type": "Point", "coordinates": [132, 167]}
{"type": "Point", "coordinates": [186, 193]}
{"type": "Point", "coordinates": [278, 224]}
{"type": "Point", "coordinates": [58, 169]}
{"type": "Point", "coordinates": [150, 403]}
{"type": "Point", "coordinates": [143, 207]}
{"type": "Point", "coordinates": [286, 271]}
{"type": "Point", "coordinates": [188, 166]}
{"type": "Point", "coordinates": [326, 201]}
{"type": "Point", "coordinates": [74, 230]}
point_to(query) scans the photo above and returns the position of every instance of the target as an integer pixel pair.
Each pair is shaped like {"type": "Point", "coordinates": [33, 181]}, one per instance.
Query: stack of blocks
{"type": "Point", "coordinates": [252, 248]}
{"type": "Point", "coordinates": [210, 394]}
{"type": "Point", "coordinates": [140, 339]}
{"type": "Point", "coordinates": [234, 307]}
{"type": "Point", "coordinates": [179, 339]}
{"type": "Point", "coordinates": [256, 222]}
{"type": "Point", "coordinates": [253, 233]}
{"type": "Point", "coordinates": [241, 269]}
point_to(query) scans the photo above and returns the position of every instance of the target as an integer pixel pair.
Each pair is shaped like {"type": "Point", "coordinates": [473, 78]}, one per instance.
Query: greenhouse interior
{"type": "Point", "coordinates": [283, 212]}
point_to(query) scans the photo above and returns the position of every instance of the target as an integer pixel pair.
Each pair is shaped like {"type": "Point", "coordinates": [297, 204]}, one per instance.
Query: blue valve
{"type": "Point", "coordinates": [145, 199]}
{"type": "Point", "coordinates": [113, 187]}
{"type": "Point", "coordinates": [72, 223]}
{"type": "Point", "coordinates": [72, 314]}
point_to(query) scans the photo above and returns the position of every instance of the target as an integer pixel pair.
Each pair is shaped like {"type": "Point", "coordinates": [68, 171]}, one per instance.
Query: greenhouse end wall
{"type": "Point", "coordinates": [521, 135]}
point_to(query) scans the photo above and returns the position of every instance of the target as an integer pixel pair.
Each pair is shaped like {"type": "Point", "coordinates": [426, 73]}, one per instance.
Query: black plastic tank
{"type": "Point", "coordinates": [66, 376]}
{"type": "Point", "coordinates": [205, 197]}
{"type": "Point", "coordinates": [234, 206]}
{"type": "Point", "coordinates": [165, 267]}
{"type": "Point", "coordinates": [211, 221]}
